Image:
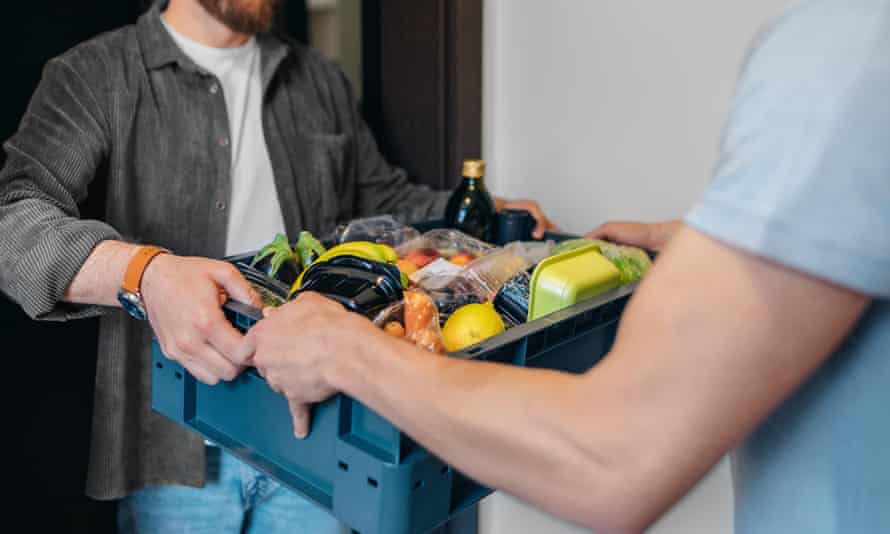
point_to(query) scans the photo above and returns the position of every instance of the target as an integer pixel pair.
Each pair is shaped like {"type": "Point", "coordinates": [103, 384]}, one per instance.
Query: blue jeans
{"type": "Point", "coordinates": [236, 499]}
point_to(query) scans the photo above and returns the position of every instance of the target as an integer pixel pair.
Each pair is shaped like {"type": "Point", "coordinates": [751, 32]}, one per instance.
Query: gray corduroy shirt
{"type": "Point", "coordinates": [130, 106]}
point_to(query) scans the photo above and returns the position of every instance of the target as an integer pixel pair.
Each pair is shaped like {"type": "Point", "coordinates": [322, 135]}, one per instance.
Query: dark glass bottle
{"type": "Point", "coordinates": [471, 208]}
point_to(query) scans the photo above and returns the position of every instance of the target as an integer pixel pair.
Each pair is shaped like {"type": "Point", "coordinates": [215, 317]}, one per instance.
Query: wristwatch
{"type": "Point", "coordinates": [130, 293]}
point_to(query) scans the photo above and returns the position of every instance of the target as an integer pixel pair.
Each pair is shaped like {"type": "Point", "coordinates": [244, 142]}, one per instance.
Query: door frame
{"type": "Point", "coordinates": [422, 72]}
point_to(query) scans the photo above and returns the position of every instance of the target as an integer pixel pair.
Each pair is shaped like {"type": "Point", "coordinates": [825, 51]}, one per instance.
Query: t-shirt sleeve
{"type": "Point", "coordinates": [804, 173]}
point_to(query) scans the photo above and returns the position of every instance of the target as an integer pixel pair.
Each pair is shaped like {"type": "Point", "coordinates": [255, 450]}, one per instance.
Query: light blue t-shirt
{"type": "Point", "coordinates": [804, 180]}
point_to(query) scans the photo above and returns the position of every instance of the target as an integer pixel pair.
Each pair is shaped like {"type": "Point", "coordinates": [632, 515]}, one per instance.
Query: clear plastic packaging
{"type": "Point", "coordinates": [415, 319]}
{"type": "Point", "coordinates": [532, 251]}
{"type": "Point", "coordinates": [477, 283]}
{"type": "Point", "coordinates": [444, 244]}
{"type": "Point", "coordinates": [513, 298]}
{"type": "Point", "coordinates": [436, 275]}
{"type": "Point", "coordinates": [451, 294]}
{"type": "Point", "coordinates": [384, 229]}
{"type": "Point", "coordinates": [489, 273]}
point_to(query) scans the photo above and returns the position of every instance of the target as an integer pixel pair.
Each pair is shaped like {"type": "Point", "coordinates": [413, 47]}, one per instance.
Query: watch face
{"type": "Point", "coordinates": [132, 304]}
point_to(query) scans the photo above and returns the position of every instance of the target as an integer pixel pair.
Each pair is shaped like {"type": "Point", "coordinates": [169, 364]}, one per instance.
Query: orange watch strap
{"type": "Point", "coordinates": [133, 276]}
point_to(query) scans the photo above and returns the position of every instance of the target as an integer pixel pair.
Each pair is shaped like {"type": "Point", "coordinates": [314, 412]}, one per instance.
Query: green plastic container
{"type": "Point", "coordinates": [561, 281]}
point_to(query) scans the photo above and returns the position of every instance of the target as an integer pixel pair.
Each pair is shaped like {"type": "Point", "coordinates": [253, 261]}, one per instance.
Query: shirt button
{"type": "Point", "coordinates": [223, 141]}
{"type": "Point", "coordinates": [214, 88]}
{"type": "Point", "coordinates": [220, 205]}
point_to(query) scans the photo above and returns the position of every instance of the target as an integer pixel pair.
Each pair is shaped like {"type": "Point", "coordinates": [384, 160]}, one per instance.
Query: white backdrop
{"type": "Point", "coordinates": [605, 109]}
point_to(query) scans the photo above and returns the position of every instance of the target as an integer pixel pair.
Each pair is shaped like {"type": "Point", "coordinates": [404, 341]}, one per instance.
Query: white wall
{"type": "Point", "coordinates": [605, 109]}
{"type": "Point", "coordinates": [610, 108]}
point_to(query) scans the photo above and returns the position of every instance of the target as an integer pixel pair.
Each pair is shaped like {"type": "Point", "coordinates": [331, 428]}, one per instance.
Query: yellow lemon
{"type": "Point", "coordinates": [471, 324]}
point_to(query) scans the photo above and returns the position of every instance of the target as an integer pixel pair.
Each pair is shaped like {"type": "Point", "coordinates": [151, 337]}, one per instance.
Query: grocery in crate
{"type": "Point", "coordinates": [438, 288]}
{"type": "Point", "coordinates": [442, 290]}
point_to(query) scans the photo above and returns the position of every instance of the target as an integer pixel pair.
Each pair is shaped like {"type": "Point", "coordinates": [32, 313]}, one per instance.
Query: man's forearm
{"type": "Point", "coordinates": [99, 279]}
{"type": "Point", "coordinates": [688, 377]}
{"type": "Point", "coordinates": [495, 421]}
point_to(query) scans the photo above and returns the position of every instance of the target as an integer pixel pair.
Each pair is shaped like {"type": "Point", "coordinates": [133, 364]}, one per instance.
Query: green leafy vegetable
{"type": "Point", "coordinates": [631, 262]}
{"type": "Point", "coordinates": [278, 252]}
{"type": "Point", "coordinates": [309, 248]}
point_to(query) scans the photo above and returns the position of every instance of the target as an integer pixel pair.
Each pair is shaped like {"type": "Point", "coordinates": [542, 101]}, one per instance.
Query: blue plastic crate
{"type": "Point", "coordinates": [356, 464]}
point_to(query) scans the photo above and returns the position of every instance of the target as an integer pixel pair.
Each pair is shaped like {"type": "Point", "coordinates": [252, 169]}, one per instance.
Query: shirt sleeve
{"type": "Point", "coordinates": [51, 161]}
{"type": "Point", "coordinates": [804, 174]}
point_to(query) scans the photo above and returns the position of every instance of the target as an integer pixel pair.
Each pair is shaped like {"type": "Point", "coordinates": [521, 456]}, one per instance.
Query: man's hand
{"type": "Point", "coordinates": [650, 236]}
{"type": "Point", "coordinates": [296, 347]}
{"type": "Point", "coordinates": [543, 223]}
{"type": "Point", "coordinates": [183, 299]}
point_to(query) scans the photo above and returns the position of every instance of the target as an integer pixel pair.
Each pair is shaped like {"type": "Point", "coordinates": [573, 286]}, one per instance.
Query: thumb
{"type": "Point", "coordinates": [300, 415]}
{"type": "Point", "coordinates": [238, 288]}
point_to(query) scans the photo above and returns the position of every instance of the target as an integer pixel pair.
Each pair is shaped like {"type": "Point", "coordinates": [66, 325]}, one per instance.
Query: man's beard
{"type": "Point", "coordinates": [243, 16]}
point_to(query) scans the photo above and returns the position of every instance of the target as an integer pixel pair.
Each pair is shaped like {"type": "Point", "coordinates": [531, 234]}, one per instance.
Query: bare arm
{"type": "Point", "coordinates": [703, 355]}
{"type": "Point", "coordinates": [99, 279]}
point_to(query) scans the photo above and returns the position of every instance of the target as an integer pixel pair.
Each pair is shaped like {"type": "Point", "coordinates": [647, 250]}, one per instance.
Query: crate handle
{"type": "Point", "coordinates": [243, 309]}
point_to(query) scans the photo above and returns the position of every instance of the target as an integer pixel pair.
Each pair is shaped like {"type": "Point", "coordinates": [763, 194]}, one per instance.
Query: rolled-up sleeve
{"type": "Point", "coordinates": [61, 144]}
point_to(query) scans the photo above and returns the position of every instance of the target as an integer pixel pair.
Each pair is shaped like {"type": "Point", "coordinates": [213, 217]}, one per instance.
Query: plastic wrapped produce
{"type": "Point", "coordinates": [489, 273]}
{"type": "Point", "coordinates": [452, 245]}
{"type": "Point", "coordinates": [513, 298]}
{"type": "Point", "coordinates": [452, 293]}
{"type": "Point", "coordinates": [532, 251]}
{"type": "Point", "coordinates": [415, 319]}
{"type": "Point", "coordinates": [384, 229]}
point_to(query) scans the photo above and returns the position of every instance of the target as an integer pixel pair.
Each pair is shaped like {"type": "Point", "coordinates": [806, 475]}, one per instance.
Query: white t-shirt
{"type": "Point", "coordinates": [254, 211]}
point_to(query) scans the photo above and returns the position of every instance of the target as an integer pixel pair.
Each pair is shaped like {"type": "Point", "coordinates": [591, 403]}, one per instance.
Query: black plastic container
{"type": "Point", "coordinates": [361, 285]}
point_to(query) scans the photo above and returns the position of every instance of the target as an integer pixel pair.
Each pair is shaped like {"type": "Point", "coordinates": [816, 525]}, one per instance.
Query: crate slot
{"type": "Point", "coordinates": [418, 485]}
{"type": "Point", "coordinates": [178, 375]}
{"type": "Point", "coordinates": [445, 470]}
{"type": "Point", "coordinates": [588, 320]}
{"type": "Point", "coordinates": [343, 466]}
{"type": "Point", "coordinates": [559, 332]}
{"type": "Point", "coordinates": [159, 365]}
{"type": "Point", "coordinates": [373, 482]}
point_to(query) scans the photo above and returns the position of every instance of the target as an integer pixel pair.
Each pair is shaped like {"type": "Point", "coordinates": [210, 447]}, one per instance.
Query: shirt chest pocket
{"type": "Point", "coordinates": [324, 187]}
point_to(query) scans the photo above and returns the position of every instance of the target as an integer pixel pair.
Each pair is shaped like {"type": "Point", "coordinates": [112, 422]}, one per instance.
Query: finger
{"type": "Point", "coordinates": [201, 373]}
{"type": "Point", "coordinates": [233, 282]}
{"type": "Point", "coordinates": [225, 339]}
{"type": "Point", "coordinates": [245, 349]}
{"type": "Point", "coordinates": [214, 362]}
{"type": "Point", "coordinates": [300, 415]}
{"type": "Point", "coordinates": [605, 231]}
{"type": "Point", "coordinates": [541, 222]}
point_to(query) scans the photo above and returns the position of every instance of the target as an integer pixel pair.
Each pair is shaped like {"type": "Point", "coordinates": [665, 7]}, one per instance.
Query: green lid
{"type": "Point", "coordinates": [568, 278]}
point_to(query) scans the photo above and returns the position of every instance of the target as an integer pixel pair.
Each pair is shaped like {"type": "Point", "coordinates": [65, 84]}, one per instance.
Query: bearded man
{"type": "Point", "coordinates": [213, 135]}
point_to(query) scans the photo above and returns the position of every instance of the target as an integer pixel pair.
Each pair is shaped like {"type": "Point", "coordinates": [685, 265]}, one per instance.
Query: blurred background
{"type": "Point", "coordinates": [599, 109]}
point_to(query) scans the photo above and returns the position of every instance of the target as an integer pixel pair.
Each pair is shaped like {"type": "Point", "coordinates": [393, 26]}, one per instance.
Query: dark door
{"type": "Point", "coordinates": [423, 84]}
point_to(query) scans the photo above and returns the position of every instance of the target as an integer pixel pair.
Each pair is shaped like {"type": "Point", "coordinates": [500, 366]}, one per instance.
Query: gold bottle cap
{"type": "Point", "coordinates": [473, 168]}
